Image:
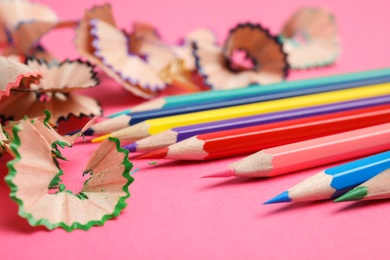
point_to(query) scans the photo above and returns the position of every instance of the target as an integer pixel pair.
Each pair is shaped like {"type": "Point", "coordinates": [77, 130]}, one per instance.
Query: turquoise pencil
{"type": "Point", "coordinates": [334, 182]}
{"type": "Point", "coordinates": [254, 90]}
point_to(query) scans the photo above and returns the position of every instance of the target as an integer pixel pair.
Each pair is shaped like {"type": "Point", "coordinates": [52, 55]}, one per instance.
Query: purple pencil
{"type": "Point", "coordinates": [178, 134]}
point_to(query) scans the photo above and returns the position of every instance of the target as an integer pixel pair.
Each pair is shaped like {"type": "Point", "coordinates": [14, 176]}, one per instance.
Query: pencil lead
{"type": "Point", "coordinates": [88, 132]}
{"type": "Point", "coordinates": [100, 138]}
{"type": "Point", "coordinates": [283, 197]}
{"type": "Point", "coordinates": [124, 112]}
{"type": "Point", "coordinates": [158, 154]}
{"type": "Point", "coordinates": [228, 172]}
{"type": "Point", "coordinates": [73, 132]}
{"type": "Point", "coordinates": [132, 147]}
{"type": "Point", "coordinates": [355, 194]}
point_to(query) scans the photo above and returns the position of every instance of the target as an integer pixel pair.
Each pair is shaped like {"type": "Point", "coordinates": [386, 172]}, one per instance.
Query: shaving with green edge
{"type": "Point", "coordinates": [34, 173]}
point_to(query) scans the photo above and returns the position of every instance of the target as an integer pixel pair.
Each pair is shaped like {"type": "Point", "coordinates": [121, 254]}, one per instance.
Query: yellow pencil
{"type": "Point", "coordinates": [154, 126]}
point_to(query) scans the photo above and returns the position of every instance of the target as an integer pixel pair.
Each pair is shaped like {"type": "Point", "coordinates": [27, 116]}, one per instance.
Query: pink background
{"type": "Point", "coordinates": [172, 213]}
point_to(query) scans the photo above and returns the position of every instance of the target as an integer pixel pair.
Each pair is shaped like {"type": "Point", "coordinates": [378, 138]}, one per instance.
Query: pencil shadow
{"type": "Point", "coordinates": [230, 181]}
{"type": "Point", "coordinates": [293, 206]}
{"type": "Point", "coordinates": [10, 220]}
{"type": "Point", "coordinates": [168, 163]}
{"type": "Point", "coordinates": [362, 205]}
{"type": "Point", "coordinates": [20, 225]}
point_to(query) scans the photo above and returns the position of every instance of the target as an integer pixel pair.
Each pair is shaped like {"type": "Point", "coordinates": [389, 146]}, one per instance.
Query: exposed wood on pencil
{"type": "Point", "coordinates": [110, 125]}
{"type": "Point", "coordinates": [251, 139]}
{"type": "Point", "coordinates": [314, 152]}
{"type": "Point", "coordinates": [127, 135]}
{"type": "Point", "coordinates": [154, 126]}
{"type": "Point", "coordinates": [375, 188]}
{"type": "Point", "coordinates": [178, 134]}
{"type": "Point", "coordinates": [213, 96]}
{"type": "Point", "coordinates": [334, 182]}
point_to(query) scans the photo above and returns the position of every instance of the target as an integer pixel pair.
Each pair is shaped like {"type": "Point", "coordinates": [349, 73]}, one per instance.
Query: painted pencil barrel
{"type": "Point", "coordinates": [145, 115]}
{"type": "Point", "coordinates": [334, 182]}
{"type": "Point", "coordinates": [162, 124]}
{"type": "Point", "coordinates": [178, 134]}
{"type": "Point", "coordinates": [221, 95]}
{"type": "Point", "coordinates": [252, 139]}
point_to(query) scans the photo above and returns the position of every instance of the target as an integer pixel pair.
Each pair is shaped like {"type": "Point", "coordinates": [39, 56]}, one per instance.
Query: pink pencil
{"type": "Point", "coordinates": [319, 151]}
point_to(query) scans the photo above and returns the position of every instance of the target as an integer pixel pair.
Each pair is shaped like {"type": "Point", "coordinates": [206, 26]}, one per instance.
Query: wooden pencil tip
{"type": "Point", "coordinates": [74, 132]}
{"type": "Point", "coordinates": [228, 172]}
{"type": "Point", "coordinates": [89, 132]}
{"type": "Point", "coordinates": [158, 154]}
{"type": "Point", "coordinates": [100, 138]}
{"type": "Point", "coordinates": [283, 197]}
{"type": "Point", "coordinates": [132, 147]}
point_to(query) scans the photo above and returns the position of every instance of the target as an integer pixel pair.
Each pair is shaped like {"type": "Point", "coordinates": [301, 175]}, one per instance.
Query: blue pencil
{"type": "Point", "coordinates": [122, 121]}
{"type": "Point", "coordinates": [334, 182]}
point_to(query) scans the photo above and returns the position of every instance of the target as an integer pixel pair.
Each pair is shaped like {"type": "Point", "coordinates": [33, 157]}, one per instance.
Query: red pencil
{"type": "Point", "coordinates": [252, 139]}
{"type": "Point", "coordinates": [297, 156]}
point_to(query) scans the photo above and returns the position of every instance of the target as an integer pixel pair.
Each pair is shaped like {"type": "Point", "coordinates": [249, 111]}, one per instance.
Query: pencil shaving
{"type": "Point", "coordinates": [136, 58]}
{"type": "Point", "coordinates": [238, 63]}
{"type": "Point", "coordinates": [54, 93]}
{"type": "Point", "coordinates": [14, 74]}
{"type": "Point", "coordinates": [34, 173]}
{"type": "Point", "coordinates": [3, 141]}
{"type": "Point", "coordinates": [26, 23]}
{"type": "Point", "coordinates": [111, 46]}
{"type": "Point", "coordinates": [184, 51]}
{"type": "Point", "coordinates": [310, 38]}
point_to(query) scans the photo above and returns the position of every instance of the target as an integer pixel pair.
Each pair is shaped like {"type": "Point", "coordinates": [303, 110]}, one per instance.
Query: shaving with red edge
{"type": "Point", "coordinates": [14, 74]}
{"type": "Point", "coordinates": [54, 92]}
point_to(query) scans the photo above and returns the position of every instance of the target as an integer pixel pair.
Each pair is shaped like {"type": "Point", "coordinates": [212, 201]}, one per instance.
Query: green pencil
{"type": "Point", "coordinates": [253, 90]}
{"type": "Point", "coordinates": [375, 188]}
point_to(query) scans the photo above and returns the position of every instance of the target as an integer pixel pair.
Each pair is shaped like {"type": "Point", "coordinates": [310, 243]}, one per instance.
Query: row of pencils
{"type": "Point", "coordinates": [286, 127]}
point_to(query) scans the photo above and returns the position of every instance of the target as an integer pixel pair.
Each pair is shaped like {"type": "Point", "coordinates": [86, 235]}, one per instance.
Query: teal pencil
{"type": "Point", "coordinates": [375, 188]}
{"type": "Point", "coordinates": [334, 182]}
{"type": "Point", "coordinates": [254, 90]}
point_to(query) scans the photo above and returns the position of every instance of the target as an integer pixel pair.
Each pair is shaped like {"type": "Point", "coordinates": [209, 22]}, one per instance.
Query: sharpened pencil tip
{"type": "Point", "coordinates": [73, 132]}
{"type": "Point", "coordinates": [158, 154]}
{"type": "Point", "coordinates": [131, 147]}
{"type": "Point", "coordinates": [355, 194]}
{"type": "Point", "coordinates": [228, 172]}
{"type": "Point", "coordinates": [283, 197]}
{"type": "Point", "coordinates": [100, 138]}
{"type": "Point", "coordinates": [89, 132]}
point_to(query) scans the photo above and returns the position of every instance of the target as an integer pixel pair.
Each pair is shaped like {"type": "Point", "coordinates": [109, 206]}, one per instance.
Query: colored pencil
{"type": "Point", "coordinates": [333, 182]}
{"type": "Point", "coordinates": [312, 152]}
{"type": "Point", "coordinates": [178, 134]}
{"type": "Point", "coordinates": [122, 121]}
{"type": "Point", "coordinates": [254, 138]}
{"type": "Point", "coordinates": [154, 126]}
{"type": "Point", "coordinates": [254, 90]}
{"type": "Point", "coordinates": [378, 187]}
